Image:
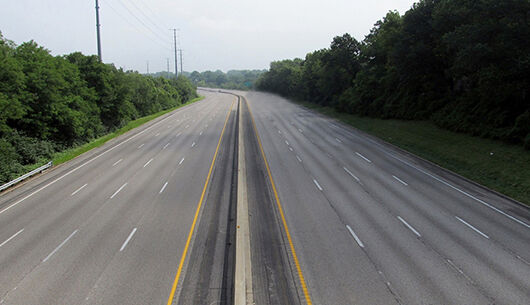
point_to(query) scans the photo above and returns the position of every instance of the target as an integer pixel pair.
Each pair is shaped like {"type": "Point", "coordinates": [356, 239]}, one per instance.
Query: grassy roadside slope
{"type": "Point", "coordinates": [494, 164]}
{"type": "Point", "coordinates": [69, 154]}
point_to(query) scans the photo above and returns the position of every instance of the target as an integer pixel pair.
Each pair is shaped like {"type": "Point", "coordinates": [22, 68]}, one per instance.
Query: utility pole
{"type": "Point", "coordinates": [175, 45]}
{"type": "Point", "coordinates": [167, 67]}
{"type": "Point", "coordinates": [97, 30]}
{"type": "Point", "coordinates": [148, 67]}
{"type": "Point", "coordinates": [181, 71]}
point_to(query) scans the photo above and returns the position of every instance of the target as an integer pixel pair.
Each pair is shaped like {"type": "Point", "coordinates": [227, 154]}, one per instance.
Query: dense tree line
{"type": "Point", "coordinates": [50, 103]}
{"type": "Point", "coordinates": [462, 64]}
{"type": "Point", "coordinates": [233, 79]}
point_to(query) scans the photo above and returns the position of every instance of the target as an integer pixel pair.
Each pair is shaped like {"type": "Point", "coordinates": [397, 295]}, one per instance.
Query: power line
{"type": "Point", "coordinates": [147, 17]}
{"type": "Point", "coordinates": [162, 38]}
{"type": "Point", "coordinates": [152, 38]}
{"type": "Point", "coordinates": [164, 25]}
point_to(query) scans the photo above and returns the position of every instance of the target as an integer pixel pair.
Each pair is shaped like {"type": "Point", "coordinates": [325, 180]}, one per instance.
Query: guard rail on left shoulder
{"type": "Point", "coordinates": [33, 172]}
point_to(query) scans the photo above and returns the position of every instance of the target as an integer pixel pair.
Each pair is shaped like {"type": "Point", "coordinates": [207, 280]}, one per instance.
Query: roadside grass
{"type": "Point", "coordinates": [71, 153]}
{"type": "Point", "coordinates": [494, 164]}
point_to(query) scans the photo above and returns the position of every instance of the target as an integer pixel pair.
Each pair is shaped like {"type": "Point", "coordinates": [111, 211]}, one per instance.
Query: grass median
{"type": "Point", "coordinates": [71, 153]}
{"type": "Point", "coordinates": [494, 164]}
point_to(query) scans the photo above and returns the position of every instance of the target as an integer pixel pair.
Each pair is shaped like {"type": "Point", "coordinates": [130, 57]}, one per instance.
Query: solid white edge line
{"type": "Point", "coordinates": [463, 192]}
{"type": "Point", "coordinates": [318, 185]}
{"type": "Point", "coordinates": [365, 159]}
{"type": "Point", "coordinates": [79, 189]}
{"type": "Point", "coordinates": [351, 174]}
{"type": "Point", "coordinates": [10, 238]}
{"type": "Point", "coordinates": [115, 163]}
{"type": "Point", "coordinates": [472, 227]}
{"type": "Point", "coordinates": [409, 226]}
{"type": "Point", "coordinates": [402, 182]}
{"type": "Point", "coordinates": [181, 161]}
{"type": "Point", "coordinates": [83, 165]}
{"type": "Point", "coordinates": [359, 242]}
{"type": "Point", "coordinates": [87, 162]}
{"type": "Point", "coordinates": [299, 160]}
{"type": "Point", "coordinates": [116, 192]}
{"type": "Point", "coordinates": [148, 162]}
{"type": "Point", "coordinates": [59, 247]}
{"type": "Point", "coordinates": [435, 178]}
{"type": "Point", "coordinates": [162, 189]}
{"type": "Point", "coordinates": [128, 239]}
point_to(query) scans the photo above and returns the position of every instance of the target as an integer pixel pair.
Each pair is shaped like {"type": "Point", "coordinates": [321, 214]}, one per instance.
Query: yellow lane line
{"type": "Point", "coordinates": [295, 257]}
{"type": "Point", "coordinates": [192, 229]}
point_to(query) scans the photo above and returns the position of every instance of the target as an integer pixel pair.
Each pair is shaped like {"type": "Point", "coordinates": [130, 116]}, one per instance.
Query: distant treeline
{"type": "Point", "coordinates": [50, 103]}
{"type": "Point", "coordinates": [233, 79]}
{"type": "Point", "coordinates": [462, 64]}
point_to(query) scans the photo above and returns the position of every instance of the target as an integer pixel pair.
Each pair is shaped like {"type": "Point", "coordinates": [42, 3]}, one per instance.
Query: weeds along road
{"type": "Point", "coordinates": [335, 217]}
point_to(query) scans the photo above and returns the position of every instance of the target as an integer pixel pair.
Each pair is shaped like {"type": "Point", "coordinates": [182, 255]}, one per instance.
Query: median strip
{"type": "Point", "coordinates": [243, 293]}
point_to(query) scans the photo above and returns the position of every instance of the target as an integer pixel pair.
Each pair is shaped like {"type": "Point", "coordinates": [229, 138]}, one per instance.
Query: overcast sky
{"type": "Point", "coordinates": [214, 34]}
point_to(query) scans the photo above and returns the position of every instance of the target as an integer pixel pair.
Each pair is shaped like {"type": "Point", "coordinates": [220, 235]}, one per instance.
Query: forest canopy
{"type": "Point", "coordinates": [51, 103]}
{"type": "Point", "coordinates": [462, 64]}
{"type": "Point", "coordinates": [233, 79]}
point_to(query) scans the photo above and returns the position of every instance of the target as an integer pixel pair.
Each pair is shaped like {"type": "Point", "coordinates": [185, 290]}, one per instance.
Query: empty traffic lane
{"type": "Point", "coordinates": [111, 227]}
{"type": "Point", "coordinates": [373, 225]}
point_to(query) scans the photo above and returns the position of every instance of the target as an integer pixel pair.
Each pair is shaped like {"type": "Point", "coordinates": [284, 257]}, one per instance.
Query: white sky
{"type": "Point", "coordinates": [214, 34]}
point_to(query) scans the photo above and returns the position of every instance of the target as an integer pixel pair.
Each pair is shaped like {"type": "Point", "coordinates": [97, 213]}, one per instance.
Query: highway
{"type": "Point", "coordinates": [335, 217]}
{"type": "Point", "coordinates": [371, 224]}
{"type": "Point", "coordinates": [111, 226]}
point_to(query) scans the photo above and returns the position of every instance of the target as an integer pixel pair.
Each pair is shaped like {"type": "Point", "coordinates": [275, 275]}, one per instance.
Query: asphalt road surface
{"type": "Point", "coordinates": [336, 217]}
{"type": "Point", "coordinates": [113, 230]}
{"type": "Point", "coordinates": [371, 224]}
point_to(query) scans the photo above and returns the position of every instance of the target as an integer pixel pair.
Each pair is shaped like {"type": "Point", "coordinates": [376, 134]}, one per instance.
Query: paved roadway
{"type": "Point", "coordinates": [342, 218]}
{"type": "Point", "coordinates": [113, 230]}
{"type": "Point", "coordinates": [373, 225]}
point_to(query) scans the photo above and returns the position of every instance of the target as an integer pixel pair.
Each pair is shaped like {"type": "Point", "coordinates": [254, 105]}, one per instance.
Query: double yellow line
{"type": "Point", "coordinates": [199, 205]}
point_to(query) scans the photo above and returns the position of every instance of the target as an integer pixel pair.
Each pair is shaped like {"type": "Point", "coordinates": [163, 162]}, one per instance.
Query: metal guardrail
{"type": "Point", "coordinates": [33, 172]}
